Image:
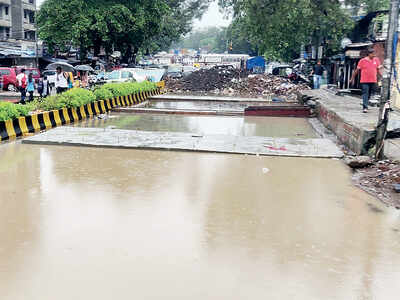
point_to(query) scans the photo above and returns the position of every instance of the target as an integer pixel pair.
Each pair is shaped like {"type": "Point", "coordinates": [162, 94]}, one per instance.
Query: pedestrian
{"type": "Point", "coordinates": [369, 67]}
{"type": "Point", "coordinates": [46, 87]}
{"type": "Point", "coordinates": [62, 79]}
{"type": "Point", "coordinates": [341, 79]}
{"type": "Point", "coordinates": [317, 72]}
{"type": "Point", "coordinates": [30, 88]}
{"type": "Point", "coordinates": [21, 83]}
{"type": "Point", "coordinates": [40, 87]}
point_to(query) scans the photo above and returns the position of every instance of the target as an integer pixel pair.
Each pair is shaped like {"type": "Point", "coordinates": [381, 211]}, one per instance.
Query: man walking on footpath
{"type": "Point", "coordinates": [317, 71]}
{"type": "Point", "coordinates": [22, 83]}
{"type": "Point", "coordinates": [61, 81]}
{"type": "Point", "coordinates": [369, 67]}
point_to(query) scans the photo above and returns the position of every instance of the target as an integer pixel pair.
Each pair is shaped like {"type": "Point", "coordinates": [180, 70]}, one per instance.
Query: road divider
{"type": "Point", "coordinates": [30, 124]}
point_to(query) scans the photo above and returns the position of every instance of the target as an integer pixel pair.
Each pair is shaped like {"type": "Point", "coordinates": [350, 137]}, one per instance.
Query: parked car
{"type": "Point", "coordinates": [9, 79]}
{"type": "Point", "coordinates": [35, 72]}
{"type": "Point", "coordinates": [175, 72]}
{"type": "Point", "coordinates": [121, 75]}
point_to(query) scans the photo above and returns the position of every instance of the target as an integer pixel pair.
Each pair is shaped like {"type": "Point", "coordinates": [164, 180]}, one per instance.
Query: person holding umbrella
{"type": "Point", "coordinates": [62, 79]}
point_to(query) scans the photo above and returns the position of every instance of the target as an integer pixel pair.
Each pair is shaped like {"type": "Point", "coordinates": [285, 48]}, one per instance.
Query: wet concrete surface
{"type": "Point", "coordinates": [245, 126]}
{"type": "Point", "coordinates": [79, 223]}
{"type": "Point", "coordinates": [213, 98]}
{"type": "Point", "coordinates": [202, 105]}
{"type": "Point", "coordinates": [178, 141]}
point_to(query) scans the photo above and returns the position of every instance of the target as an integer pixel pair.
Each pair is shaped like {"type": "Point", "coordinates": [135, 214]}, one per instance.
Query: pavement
{"type": "Point", "coordinates": [13, 97]}
{"type": "Point", "coordinates": [350, 109]}
{"type": "Point", "coordinates": [130, 139]}
{"type": "Point", "coordinates": [392, 149]}
{"type": "Point", "coordinates": [344, 116]}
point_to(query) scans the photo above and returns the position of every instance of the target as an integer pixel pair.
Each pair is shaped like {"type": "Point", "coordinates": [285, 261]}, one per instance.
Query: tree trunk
{"type": "Point", "coordinates": [97, 47]}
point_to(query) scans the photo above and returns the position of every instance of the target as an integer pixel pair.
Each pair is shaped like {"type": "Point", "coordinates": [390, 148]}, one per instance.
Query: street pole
{"type": "Point", "coordinates": [384, 108]}
{"type": "Point", "coordinates": [36, 37]}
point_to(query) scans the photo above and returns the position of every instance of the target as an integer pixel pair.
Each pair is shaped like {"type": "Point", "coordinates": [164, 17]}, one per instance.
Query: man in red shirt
{"type": "Point", "coordinates": [369, 67]}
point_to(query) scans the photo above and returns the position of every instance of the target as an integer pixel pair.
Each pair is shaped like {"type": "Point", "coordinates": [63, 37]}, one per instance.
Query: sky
{"type": "Point", "coordinates": [211, 18]}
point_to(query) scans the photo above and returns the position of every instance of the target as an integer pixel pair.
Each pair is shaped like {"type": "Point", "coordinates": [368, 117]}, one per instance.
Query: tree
{"type": "Point", "coordinates": [290, 24]}
{"type": "Point", "coordinates": [124, 25]}
{"type": "Point", "coordinates": [279, 27]}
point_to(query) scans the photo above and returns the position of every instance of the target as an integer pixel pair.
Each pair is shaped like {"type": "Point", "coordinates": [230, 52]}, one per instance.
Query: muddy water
{"type": "Point", "coordinates": [245, 126]}
{"type": "Point", "coordinates": [78, 223]}
{"type": "Point", "coordinates": [202, 105]}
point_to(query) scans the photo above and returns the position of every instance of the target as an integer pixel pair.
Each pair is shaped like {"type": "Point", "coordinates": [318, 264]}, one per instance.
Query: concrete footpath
{"type": "Point", "coordinates": [12, 97]}
{"type": "Point", "coordinates": [130, 139]}
{"type": "Point", "coordinates": [392, 149]}
{"type": "Point", "coordinates": [343, 115]}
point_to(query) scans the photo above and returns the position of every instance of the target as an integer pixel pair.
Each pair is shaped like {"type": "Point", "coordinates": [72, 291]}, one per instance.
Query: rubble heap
{"type": "Point", "coordinates": [204, 80]}
{"type": "Point", "coordinates": [227, 81]}
{"type": "Point", "coordinates": [381, 180]}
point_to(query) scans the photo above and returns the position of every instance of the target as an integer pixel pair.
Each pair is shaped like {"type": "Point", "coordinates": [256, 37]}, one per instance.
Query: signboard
{"type": "Point", "coordinates": [320, 51]}
{"type": "Point", "coordinates": [212, 59]}
{"type": "Point", "coordinates": [353, 53]}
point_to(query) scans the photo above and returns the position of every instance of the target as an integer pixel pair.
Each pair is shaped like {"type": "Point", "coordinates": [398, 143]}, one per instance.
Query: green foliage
{"type": "Point", "coordinates": [123, 25]}
{"type": "Point", "coordinates": [128, 88]}
{"type": "Point", "coordinates": [279, 28]}
{"type": "Point", "coordinates": [209, 38]}
{"type": "Point", "coordinates": [102, 93]}
{"type": "Point", "coordinates": [218, 40]}
{"type": "Point", "coordinates": [289, 24]}
{"type": "Point", "coordinates": [73, 98]}
{"type": "Point", "coordinates": [12, 111]}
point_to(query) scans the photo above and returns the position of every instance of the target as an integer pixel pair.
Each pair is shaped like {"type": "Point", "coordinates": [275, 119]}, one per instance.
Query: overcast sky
{"type": "Point", "coordinates": [211, 18]}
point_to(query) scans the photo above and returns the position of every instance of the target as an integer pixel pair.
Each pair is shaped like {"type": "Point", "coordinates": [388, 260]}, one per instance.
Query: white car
{"type": "Point", "coordinates": [122, 75]}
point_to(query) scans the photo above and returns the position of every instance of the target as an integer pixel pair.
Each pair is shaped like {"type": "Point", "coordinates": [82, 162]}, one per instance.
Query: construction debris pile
{"type": "Point", "coordinates": [381, 179]}
{"type": "Point", "coordinates": [227, 81]}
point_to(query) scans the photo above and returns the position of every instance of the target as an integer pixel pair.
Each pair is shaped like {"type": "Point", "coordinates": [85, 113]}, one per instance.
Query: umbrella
{"type": "Point", "coordinates": [84, 68]}
{"type": "Point", "coordinates": [66, 67]}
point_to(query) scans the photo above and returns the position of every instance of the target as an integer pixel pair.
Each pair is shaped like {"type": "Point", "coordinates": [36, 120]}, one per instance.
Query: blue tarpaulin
{"type": "Point", "coordinates": [256, 64]}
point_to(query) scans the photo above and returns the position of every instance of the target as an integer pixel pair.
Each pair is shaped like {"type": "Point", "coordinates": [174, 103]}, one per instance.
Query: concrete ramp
{"type": "Point", "coordinates": [129, 139]}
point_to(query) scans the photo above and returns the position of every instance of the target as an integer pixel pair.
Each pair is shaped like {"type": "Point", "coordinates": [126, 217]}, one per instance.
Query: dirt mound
{"type": "Point", "coordinates": [228, 81]}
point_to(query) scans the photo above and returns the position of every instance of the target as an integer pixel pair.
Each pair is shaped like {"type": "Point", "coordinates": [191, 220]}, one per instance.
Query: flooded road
{"type": "Point", "coordinates": [244, 126]}
{"type": "Point", "coordinates": [86, 223]}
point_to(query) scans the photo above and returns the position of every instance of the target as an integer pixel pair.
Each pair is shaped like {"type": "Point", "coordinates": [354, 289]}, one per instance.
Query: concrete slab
{"type": "Point", "coordinates": [392, 149]}
{"type": "Point", "coordinates": [171, 97]}
{"type": "Point", "coordinates": [344, 116]}
{"type": "Point", "coordinates": [136, 110]}
{"type": "Point", "coordinates": [115, 138]}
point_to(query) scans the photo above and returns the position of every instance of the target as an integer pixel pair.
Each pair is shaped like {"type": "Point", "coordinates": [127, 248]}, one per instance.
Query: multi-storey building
{"type": "Point", "coordinates": [17, 27]}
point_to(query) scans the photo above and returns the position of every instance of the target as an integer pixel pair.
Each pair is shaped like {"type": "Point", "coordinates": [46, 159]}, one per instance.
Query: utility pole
{"type": "Point", "coordinates": [36, 37]}
{"type": "Point", "coordinates": [384, 108]}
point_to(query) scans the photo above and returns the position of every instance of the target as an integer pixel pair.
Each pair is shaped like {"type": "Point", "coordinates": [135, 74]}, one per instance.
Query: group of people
{"type": "Point", "coordinates": [369, 67]}
{"type": "Point", "coordinates": [26, 85]}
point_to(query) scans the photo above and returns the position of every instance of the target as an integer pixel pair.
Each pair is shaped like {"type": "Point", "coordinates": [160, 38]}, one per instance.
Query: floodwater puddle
{"type": "Point", "coordinates": [203, 125]}
{"type": "Point", "coordinates": [92, 223]}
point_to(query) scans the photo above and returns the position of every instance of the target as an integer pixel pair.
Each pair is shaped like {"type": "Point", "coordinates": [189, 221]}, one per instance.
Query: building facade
{"type": "Point", "coordinates": [17, 28]}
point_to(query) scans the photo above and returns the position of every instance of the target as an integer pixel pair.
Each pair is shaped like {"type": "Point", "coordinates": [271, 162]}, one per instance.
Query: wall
{"type": "Point", "coordinates": [395, 99]}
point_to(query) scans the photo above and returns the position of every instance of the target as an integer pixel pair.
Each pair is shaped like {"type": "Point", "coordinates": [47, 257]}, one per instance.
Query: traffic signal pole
{"type": "Point", "coordinates": [384, 108]}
